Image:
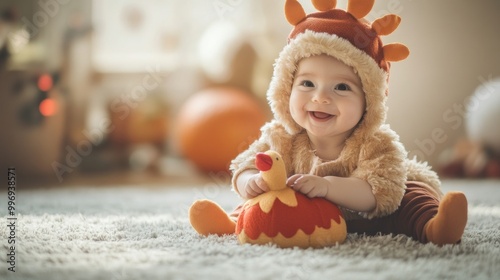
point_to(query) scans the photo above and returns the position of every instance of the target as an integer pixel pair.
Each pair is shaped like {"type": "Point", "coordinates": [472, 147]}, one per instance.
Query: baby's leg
{"type": "Point", "coordinates": [427, 219]}
{"type": "Point", "coordinates": [422, 216]}
{"type": "Point", "coordinates": [416, 208]}
{"type": "Point", "coordinates": [449, 223]}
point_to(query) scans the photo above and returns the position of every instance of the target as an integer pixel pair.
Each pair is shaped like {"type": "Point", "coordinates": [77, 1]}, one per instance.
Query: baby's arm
{"type": "Point", "coordinates": [350, 192]}
{"type": "Point", "coordinates": [250, 184]}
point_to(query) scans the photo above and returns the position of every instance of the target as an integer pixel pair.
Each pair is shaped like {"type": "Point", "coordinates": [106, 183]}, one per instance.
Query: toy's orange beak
{"type": "Point", "coordinates": [263, 162]}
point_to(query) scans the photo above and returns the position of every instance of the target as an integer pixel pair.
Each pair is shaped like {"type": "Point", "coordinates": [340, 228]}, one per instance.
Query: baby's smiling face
{"type": "Point", "coordinates": [327, 98]}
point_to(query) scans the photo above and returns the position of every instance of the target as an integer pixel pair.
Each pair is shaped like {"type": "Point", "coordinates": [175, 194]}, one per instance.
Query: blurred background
{"type": "Point", "coordinates": [107, 92]}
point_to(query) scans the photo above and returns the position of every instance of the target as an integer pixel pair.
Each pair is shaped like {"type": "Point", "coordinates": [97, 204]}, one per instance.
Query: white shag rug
{"type": "Point", "coordinates": [118, 233]}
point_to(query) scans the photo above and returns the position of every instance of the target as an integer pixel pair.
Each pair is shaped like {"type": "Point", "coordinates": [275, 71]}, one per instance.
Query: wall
{"type": "Point", "coordinates": [455, 46]}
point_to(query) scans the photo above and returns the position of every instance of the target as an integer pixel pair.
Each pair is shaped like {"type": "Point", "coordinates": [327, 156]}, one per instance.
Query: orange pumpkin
{"type": "Point", "coordinates": [285, 217]}
{"type": "Point", "coordinates": [217, 124]}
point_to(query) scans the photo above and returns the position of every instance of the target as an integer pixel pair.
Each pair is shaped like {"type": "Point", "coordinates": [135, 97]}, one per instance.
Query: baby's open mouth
{"type": "Point", "coordinates": [320, 115]}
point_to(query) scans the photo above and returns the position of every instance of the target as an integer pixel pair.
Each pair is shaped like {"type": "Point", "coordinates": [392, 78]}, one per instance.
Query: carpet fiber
{"type": "Point", "coordinates": [119, 233]}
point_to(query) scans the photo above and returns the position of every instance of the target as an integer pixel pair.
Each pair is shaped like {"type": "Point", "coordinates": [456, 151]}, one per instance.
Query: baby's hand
{"type": "Point", "coordinates": [310, 185]}
{"type": "Point", "coordinates": [255, 186]}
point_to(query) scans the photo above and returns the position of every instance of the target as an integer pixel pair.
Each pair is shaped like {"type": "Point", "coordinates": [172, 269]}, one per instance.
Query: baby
{"type": "Point", "coordinates": [328, 96]}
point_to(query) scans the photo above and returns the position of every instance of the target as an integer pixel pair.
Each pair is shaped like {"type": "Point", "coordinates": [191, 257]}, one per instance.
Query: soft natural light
{"type": "Point", "coordinates": [140, 33]}
{"type": "Point", "coordinates": [158, 32]}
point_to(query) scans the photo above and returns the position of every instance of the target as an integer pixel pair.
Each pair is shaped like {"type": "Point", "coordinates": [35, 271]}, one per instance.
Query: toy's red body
{"type": "Point", "coordinates": [311, 223]}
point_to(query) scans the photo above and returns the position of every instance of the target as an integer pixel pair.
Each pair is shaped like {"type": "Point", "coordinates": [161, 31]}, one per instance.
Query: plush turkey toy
{"type": "Point", "coordinates": [285, 217]}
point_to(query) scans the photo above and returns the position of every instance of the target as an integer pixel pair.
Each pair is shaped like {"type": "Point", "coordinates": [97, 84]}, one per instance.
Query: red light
{"type": "Point", "coordinates": [45, 82]}
{"type": "Point", "coordinates": [48, 107]}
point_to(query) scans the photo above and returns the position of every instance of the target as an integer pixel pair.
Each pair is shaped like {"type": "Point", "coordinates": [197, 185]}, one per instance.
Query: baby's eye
{"type": "Point", "coordinates": [342, 87]}
{"type": "Point", "coordinates": [307, 83]}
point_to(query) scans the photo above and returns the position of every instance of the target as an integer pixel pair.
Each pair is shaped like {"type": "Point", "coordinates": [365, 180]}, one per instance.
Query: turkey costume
{"type": "Point", "coordinates": [407, 192]}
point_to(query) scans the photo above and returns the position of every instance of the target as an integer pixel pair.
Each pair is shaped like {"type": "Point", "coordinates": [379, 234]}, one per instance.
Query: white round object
{"type": "Point", "coordinates": [483, 115]}
{"type": "Point", "coordinates": [217, 48]}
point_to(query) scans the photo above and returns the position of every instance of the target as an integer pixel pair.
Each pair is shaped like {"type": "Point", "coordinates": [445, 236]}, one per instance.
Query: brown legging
{"type": "Point", "coordinates": [417, 207]}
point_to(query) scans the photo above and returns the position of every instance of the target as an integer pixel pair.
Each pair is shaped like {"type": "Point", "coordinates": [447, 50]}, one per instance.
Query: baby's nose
{"type": "Point", "coordinates": [321, 97]}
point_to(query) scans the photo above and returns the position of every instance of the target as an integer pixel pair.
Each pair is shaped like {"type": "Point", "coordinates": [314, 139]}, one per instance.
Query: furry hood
{"type": "Point", "coordinates": [336, 33]}
{"type": "Point", "coordinates": [309, 44]}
